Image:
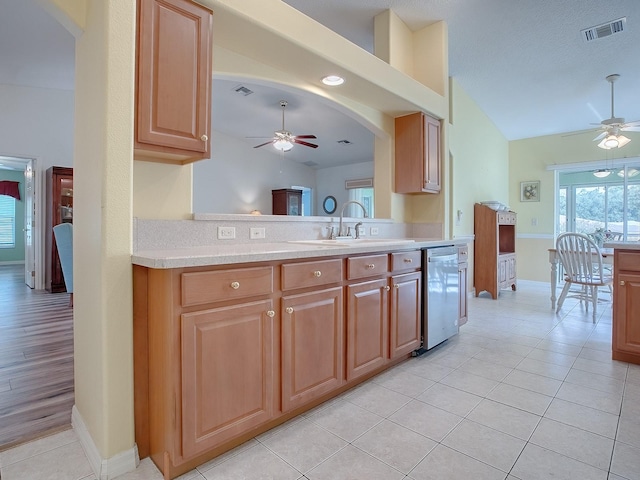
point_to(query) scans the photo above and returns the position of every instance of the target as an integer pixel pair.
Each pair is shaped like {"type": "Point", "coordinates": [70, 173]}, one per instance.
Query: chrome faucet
{"type": "Point", "coordinates": [341, 233]}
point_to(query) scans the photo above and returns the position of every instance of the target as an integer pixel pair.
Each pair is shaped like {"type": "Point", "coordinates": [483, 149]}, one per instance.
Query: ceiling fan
{"type": "Point", "coordinates": [284, 140]}
{"type": "Point", "coordinates": [612, 137]}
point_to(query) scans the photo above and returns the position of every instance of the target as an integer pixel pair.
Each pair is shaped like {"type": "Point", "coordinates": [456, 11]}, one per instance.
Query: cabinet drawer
{"type": "Point", "coordinates": [405, 261]}
{"type": "Point", "coordinates": [367, 266]}
{"type": "Point", "coordinates": [463, 254]}
{"type": "Point", "coordinates": [628, 261]}
{"type": "Point", "coordinates": [309, 274]}
{"type": "Point", "coordinates": [206, 287]}
{"type": "Point", "coordinates": [507, 218]}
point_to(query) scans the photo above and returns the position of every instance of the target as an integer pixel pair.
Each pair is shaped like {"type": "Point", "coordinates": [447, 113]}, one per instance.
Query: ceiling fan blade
{"type": "Point", "coordinates": [631, 128]}
{"type": "Point", "coordinates": [601, 136]}
{"type": "Point", "coordinates": [305, 136]}
{"type": "Point", "coordinates": [263, 144]}
{"type": "Point", "coordinates": [632, 124]}
{"type": "Point", "coordinates": [306, 144]}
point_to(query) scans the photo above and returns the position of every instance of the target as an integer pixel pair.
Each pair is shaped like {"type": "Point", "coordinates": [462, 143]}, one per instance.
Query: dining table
{"type": "Point", "coordinates": [607, 259]}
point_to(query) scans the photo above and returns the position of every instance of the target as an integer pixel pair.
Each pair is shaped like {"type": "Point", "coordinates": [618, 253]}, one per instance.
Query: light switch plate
{"type": "Point", "coordinates": [374, 231]}
{"type": "Point", "coordinates": [257, 232]}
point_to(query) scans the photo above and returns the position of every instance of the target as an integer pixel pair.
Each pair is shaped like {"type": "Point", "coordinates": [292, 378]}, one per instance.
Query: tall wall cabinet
{"type": "Point", "coordinates": [59, 191]}
{"type": "Point", "coordinates": [495, 250]}
{"type": "Point", "coordinates": [418, 159]}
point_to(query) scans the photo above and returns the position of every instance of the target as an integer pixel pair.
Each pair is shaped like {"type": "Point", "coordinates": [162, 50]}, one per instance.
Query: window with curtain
{"type": "Point", "coordinates": [7, 222]}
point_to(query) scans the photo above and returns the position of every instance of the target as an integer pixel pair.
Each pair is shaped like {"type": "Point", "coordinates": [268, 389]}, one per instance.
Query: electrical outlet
{"type": "Point", "coordinates": [374, 231]}
{"type": "Point", "coordinates": [534, 222]}
{"type": "Point", "coordinates": [256, 232]}
{"type": "Point", "coordinates": [226, 233]}
{"type": "Point", "coordinates": [361, 231]}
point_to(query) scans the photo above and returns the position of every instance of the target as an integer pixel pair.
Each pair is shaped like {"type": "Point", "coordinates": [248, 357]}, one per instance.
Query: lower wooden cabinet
{"type": "Point", "coordinates": [228, 364]}
{"type": "Point", "coordinates": [223, 353]}
{"type": "Point", "coordinates": [626, 305]}
{"type": "Point", "coordinates": [406, 298]}
{"type": "Point", "coordinates": [367, 327]}
{"type": "Point", "coordinates": [312, 346]}
{"type": "Point", "coordinates": [507, 271]}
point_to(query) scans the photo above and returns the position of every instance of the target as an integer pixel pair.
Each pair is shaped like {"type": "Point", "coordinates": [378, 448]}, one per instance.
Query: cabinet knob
{"type": "Point", "coordinates": [396, 286]}
{"type": "Point", "coordinates": [371, 266]}
{"type": "Point", "coordinates": [235, 285]}
{"type": "Point", "coordinates": [204, 138]}
{"type": "Point", "coordinates": [408, 260]}
{"type": "Point", "coordinates": [622, 283]}
{"type": "Point", "coordinates": [387, 288]}
{"type": "Point", "coordinates": [317, 273]}
{"type": "Point", "coordinates": [289, 310]}
{"type": "Point", "coordinates": [271, 313]}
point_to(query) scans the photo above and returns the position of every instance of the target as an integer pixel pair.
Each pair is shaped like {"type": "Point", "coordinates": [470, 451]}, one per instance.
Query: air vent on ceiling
{"type": "Point", "coordinates": [309, 163]}
{"type": "Point", "coordinates": [358, 183]}
{"type": "Point", "coordinates": [604, 30]}
{"type": "Point", "coordinates": [243, 90]}
{"type": "Point", "coordinates": [345, 142]}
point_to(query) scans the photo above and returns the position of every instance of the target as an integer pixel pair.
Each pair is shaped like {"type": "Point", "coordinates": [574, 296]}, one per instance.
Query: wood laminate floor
{"type": "Point", "coordinates": [36, 359]}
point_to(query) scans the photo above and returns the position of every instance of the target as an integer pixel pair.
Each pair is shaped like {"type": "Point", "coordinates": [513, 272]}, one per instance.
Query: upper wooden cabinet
{"type": "Point", "coordinates": [173, 81]}
{"type": "Point", "coordinates": [418, 162]}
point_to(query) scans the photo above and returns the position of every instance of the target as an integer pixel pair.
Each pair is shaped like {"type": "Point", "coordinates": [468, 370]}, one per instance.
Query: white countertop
{"type": "Point", "coordinates": [260, 252]}
{"type": "Point", "coordinates": [623, 245]}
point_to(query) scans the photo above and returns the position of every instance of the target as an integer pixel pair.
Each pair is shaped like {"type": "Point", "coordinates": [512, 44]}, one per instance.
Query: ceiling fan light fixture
{"type": "Point", "coordinates": [631, 172]}
{"type": "Point", "coordinates": [602, 173]}
{"type": "Point", "coordinates": [333, 80]}
{"type": "Point", "coordinates": [283, 145]}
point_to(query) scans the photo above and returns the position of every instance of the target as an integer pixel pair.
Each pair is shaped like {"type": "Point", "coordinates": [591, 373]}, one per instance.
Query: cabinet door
{"type": "Point", "coordinates": [511, 271]}
{"type": "Point", "coordinates": [626, 308]}
{"type": "Point", "coordinates": [367, 327]}
{"type": "Point", "coordinates": [406, 301]}
{"type": "Point", "coordinates": [312, 346]}
{"type": "Point", "coordinates": [228, 360]}
{"type": "Point", "coordinates": [431, 155]}
{"type": "Point", "coordinates": [502, 272]}
{"type": "Point", "coordinates": [174, 77]}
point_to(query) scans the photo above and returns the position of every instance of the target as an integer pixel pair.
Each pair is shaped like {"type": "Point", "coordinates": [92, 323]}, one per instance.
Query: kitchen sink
{"type": "Point", "coordinates": [356, 241]}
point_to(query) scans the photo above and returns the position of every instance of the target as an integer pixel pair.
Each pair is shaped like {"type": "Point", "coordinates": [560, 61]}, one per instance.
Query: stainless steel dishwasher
{"type": "Point", "coordinates": [441, 289]}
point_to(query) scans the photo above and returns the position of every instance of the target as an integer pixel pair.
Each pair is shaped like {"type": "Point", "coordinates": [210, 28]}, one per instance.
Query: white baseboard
{"type": "Point", "coordinates": [105, 469]}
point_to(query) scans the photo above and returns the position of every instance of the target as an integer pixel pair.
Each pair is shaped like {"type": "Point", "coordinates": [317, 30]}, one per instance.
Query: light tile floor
{"type": "Point", "coordinates": [520, 393]}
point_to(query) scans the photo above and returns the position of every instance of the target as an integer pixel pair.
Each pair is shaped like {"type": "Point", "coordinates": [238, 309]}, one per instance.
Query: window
{"type": "Point", "coordinates": [606, 201]}
{"type": "Point", "coordinates": [7, 222]}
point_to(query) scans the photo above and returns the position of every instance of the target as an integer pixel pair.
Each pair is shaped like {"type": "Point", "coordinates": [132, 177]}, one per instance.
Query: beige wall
{"type": "Point", "coordinates": [528, 160]}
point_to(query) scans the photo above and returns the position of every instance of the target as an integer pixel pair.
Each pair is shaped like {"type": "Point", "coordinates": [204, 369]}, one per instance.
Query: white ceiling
{"type": "Point", "coordinates": [524, 62]}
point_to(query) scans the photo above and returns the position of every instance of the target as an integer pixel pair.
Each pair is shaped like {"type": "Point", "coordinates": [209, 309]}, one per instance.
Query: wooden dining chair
{"type": "Point", "coordinates": [582, 264]}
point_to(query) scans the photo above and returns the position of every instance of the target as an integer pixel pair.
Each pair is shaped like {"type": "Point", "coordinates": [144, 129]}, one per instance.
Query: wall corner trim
{"type": "Point", "coordinates": [105, 469]}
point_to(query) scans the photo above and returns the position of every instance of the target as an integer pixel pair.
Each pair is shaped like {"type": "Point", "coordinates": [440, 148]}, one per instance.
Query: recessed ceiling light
{"type": "Point", "coordinates": [333, 80]}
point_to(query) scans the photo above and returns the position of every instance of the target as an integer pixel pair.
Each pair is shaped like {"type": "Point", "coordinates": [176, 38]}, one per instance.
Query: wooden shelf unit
{"type": "Point", "coordinates": [495, 250]}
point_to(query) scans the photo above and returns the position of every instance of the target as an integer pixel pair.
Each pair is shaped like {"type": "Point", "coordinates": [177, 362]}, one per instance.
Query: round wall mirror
{"type": "Point", "coordinates": [329, 204]}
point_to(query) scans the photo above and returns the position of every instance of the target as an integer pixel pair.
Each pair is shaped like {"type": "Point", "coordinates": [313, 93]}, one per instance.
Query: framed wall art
{"type": "Point", "coordinates": [530, 191]}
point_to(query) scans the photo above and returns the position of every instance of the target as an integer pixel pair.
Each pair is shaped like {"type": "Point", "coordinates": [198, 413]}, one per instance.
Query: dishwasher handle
{"type": "Point", "coordinates": [442, 258]}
